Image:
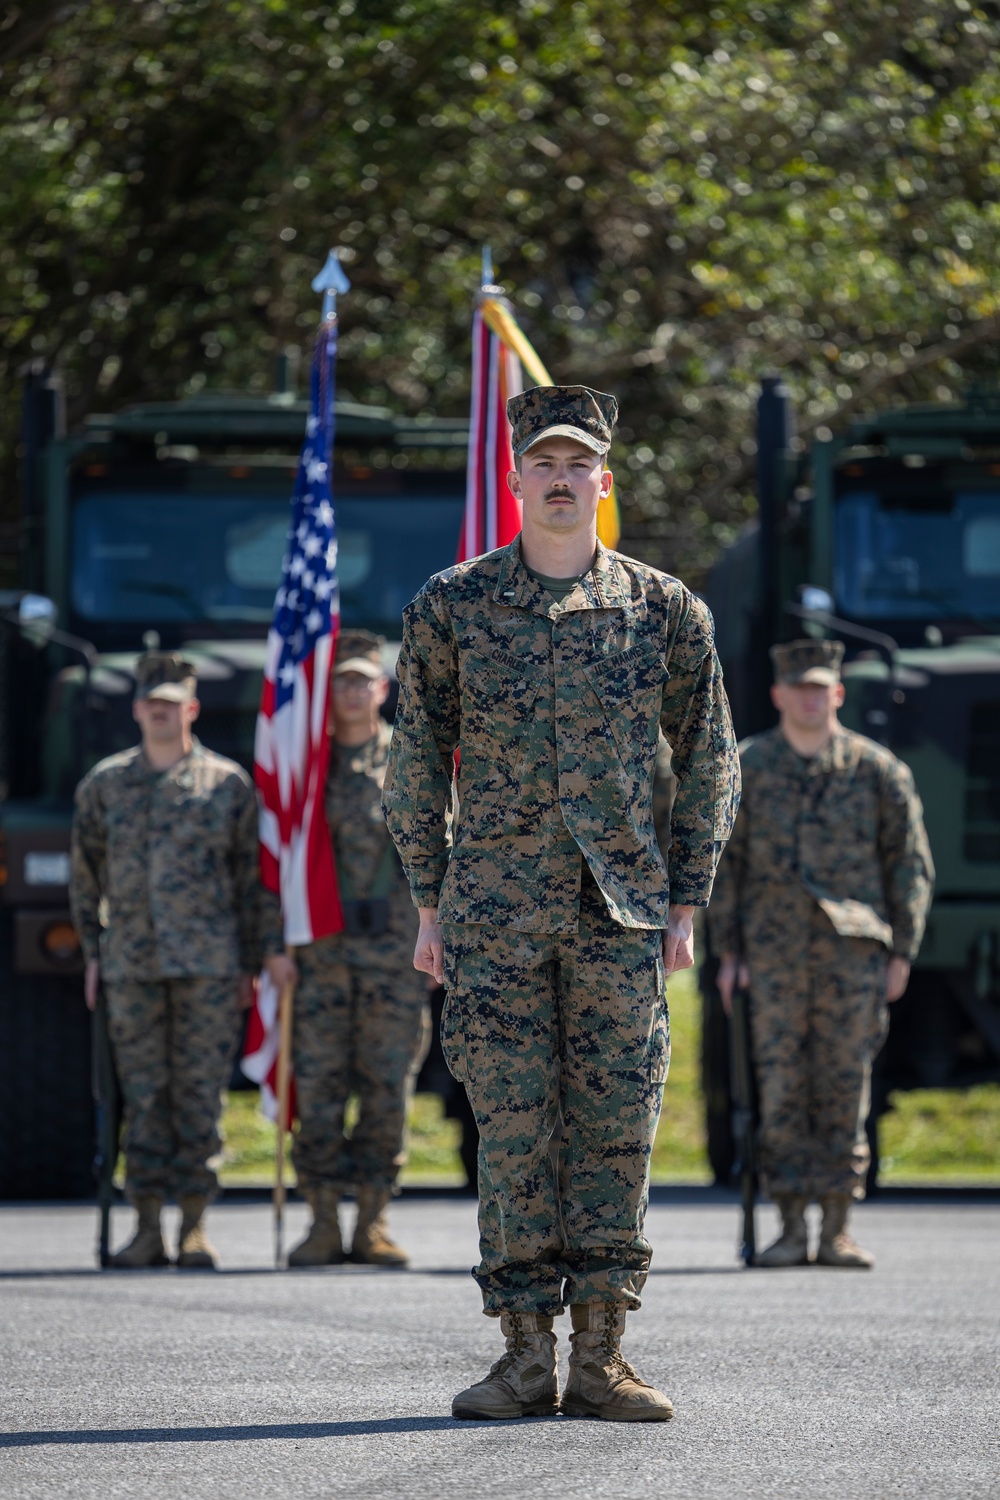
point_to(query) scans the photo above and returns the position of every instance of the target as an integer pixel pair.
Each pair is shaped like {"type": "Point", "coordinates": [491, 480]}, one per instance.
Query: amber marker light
{"type": "Point", "coordinates": [60, 942]}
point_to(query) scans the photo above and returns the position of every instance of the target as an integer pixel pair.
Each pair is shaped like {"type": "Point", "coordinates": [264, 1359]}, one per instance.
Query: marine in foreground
{"type": "Point", "coordinates": [819, 909]}
{"type": "Point", "coordinates": [545, 905]}
{"type": "Point", "coordinates": [164, 897]}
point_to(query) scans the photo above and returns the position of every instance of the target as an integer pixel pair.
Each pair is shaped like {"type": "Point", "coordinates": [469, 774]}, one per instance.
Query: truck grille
{"type": "Point", "coordinates": [982, 786]}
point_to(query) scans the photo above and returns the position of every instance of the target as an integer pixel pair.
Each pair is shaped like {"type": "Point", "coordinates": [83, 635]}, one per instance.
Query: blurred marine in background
{"type": "Point", "coordinates": [819, 908]}
{"type": "Point", "coordinates": [164, 895]}
{"type": "Point", "coordinates": [360, 1017]}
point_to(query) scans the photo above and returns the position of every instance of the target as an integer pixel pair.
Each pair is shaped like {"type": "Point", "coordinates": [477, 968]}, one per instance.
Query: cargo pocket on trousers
{"type": "Point", "coordinates": [454, 1025]}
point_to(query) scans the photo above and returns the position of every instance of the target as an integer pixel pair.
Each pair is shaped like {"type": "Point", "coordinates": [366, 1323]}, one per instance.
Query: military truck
{"type": "Point", "coordinates": [887, 537]}
{"type": "Point", "coordinates": [161, 524]}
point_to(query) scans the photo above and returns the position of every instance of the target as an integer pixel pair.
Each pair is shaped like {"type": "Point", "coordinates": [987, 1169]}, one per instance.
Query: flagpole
{"type": "Point", "coordinates": [285, 1005]}
{"type": "Point", "coordinates": [330, 280]}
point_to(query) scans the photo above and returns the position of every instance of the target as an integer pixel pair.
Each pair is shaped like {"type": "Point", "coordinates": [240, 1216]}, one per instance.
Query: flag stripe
{"type": "Point", "coordinates": [291, 743]}
{"type": "Point", "coordinates": [492, 513]}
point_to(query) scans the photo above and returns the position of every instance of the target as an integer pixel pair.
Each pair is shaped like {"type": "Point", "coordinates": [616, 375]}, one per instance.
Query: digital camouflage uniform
{"type": "Point", "coordinates": [552, 890]}
{"type": "Point", "coordinates": [164, 894]}
{"type": "Point", "coordinates": [827, 873]}
{"type": "Point", "coordinates": [359, 1022]}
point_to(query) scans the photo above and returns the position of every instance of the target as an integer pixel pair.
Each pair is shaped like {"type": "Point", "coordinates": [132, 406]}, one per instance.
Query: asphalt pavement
{"type": "Point", "coordinates": [251, 1383]}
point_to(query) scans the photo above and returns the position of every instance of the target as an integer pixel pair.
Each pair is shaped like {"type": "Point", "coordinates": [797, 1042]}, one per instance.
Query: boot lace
{"type": "Point", "coordinates": [621, 1367]}
{"type": "Point", "coordinates": [613, 1358]}
{"type": "Point", "coordinates": [515, 1346]}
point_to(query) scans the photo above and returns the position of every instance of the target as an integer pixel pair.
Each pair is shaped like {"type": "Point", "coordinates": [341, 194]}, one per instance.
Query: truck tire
{"type": "Point", "coordinates": [46, 1108]}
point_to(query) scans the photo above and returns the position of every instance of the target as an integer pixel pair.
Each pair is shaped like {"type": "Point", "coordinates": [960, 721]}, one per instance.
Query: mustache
{"type": "Point", "coordinates": [561, 492]}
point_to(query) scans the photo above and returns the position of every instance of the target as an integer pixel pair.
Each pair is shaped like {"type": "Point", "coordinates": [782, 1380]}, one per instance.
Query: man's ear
{"type": "Point", "coordinates": [193, 710]}
{"type": "Point", "coordinates": [514, 483]}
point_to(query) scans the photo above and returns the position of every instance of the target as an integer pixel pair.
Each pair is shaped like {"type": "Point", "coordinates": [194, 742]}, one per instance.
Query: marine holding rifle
{"type": "Point", "coordinates": [360, 1024]}
{"type": "Point", "coordinates": [819, 908]}
{"type": "Point", "coordinates": [164, 895]}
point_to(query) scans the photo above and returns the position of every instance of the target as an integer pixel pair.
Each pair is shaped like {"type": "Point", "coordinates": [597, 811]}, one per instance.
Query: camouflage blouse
{"type": "Point", "coordinates": [558, 708]}
{"type": "Point", "coordinates": [164, 867]}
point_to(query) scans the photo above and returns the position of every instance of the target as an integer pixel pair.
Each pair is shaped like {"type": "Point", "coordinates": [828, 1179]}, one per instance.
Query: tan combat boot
{"type": "Point", "coordinates": [836, 1248]}
{"type": "Point", "coordinates": [371, 1245]}
{"type": "Point", "coordinates": [601, 1383]}
{"type": "Point", "coordinates": [524, 1382]}
{"type": "Point", "coordinates": [147, 1247]}
{"type": "Point", "coordinates": [322, 1246]}
{"type": "Point", "coordinates": [791, 1248]}
{"type": "Point", "coordinates": [194, 1250]}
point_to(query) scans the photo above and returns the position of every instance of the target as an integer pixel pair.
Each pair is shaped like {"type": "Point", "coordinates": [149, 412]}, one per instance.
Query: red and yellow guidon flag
{"type": "Point", "coordinates": [501, 358]}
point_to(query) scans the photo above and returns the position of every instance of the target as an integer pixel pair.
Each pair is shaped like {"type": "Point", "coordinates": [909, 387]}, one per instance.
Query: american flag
{"type": "Point", "coordinates": [292, 748]}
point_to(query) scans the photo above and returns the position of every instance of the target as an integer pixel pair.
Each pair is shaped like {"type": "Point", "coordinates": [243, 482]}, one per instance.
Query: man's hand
{"type": "Point", "coordinates": [246, 991]}
{"type": "Point", "coordinates": [678, 943]}
{"type": "Point", "coordinates": [428, 955]}
{"type": "Point", "coordinates": [897, 977]}
{"type": "Point", "coordinates": [281, 970]}
{"type": "Point", "coordinates": [732, 975]}
{"type": "Point", "coordinates": [91, 980]}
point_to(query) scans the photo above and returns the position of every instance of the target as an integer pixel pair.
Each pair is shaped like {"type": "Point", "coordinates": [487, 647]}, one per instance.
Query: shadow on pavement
{"type": "Point", "coordinates": [85, 1436]}
{"type": "Point", "coordinates": [186, 1277]}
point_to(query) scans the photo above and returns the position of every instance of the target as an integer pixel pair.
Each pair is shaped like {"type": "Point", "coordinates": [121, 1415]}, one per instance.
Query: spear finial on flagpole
{"type": "Point", "coordinates": [487, 286]}
{"type": "Point", "coordinates": [331, 280]}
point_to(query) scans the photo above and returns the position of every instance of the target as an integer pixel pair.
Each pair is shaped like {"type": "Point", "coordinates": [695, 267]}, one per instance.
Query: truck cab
{"type": "Point", "coordinates": [887, 536]}
{"type": "Point", "coordinates": [161, 525]}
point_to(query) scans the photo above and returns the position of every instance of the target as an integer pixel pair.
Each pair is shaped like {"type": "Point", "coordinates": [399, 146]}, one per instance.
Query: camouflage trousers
{"type": "Point", "coordinates": [174, 1041]}
{"type": "Point", "coordinates": [569, 1027]}
{"type": "Point", "coordinates": [817, 1022]}
{"type": "Point", "coordinates": [356, 1031]}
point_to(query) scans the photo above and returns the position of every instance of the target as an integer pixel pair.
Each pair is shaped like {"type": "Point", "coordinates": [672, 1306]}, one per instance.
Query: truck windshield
{"type": "Point", "coordinates": [150, 559]}
{"type": "Point", "coordinates": [917, 561]}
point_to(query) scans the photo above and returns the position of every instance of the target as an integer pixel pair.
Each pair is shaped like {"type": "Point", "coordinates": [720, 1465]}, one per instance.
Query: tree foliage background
{"type": "Point", "coordinates": [679, 198]}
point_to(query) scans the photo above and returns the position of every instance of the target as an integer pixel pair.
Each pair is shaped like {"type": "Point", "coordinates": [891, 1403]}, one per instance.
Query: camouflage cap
{"type": "Point", "coordinates": [359, 651]}
{"type": "Point", "coordinates": [808, 661]}
{"type": "Point", "coordinates": [165, 675]}
{"type": "Point", "coordinates": [573, 411]}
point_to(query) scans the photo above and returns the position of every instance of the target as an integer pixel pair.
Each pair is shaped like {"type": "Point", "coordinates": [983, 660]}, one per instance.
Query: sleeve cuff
{"type": "Point", "coordinates": [425, 894]}
{"type": "Point", "coordinates": [688, 898]}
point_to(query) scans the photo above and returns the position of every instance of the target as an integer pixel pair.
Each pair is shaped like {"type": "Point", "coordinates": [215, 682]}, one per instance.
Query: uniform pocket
{"type": "Point", "coordinates": [498, 696]}
{"type": "Point", "coordinates": [630, 688]}
{"type": "Point", "coordinates": [498, 693]}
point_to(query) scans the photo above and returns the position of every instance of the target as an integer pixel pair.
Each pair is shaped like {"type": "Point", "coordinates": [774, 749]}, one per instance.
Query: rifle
{"type": "Point", "coordinates": [742, 1086]}
{"type": "Point", "coordinates": [107, 1110]}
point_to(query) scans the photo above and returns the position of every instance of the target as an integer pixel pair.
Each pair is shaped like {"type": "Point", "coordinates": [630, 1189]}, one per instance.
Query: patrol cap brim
{"type": "Point", "coordinates": [585, 439]}
{"type": "Point", "coordinates": [822, 676]}
{"type": "Point", "coordinates": [167, 692]}
{"type": "Point", "coordinates": [362, 664]}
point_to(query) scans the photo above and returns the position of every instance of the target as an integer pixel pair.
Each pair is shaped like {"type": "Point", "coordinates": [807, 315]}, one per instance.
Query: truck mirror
{"type": "Point", "coordinates": [36, 616]}
{"type": "Point", "coordinates": [812, 598]}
